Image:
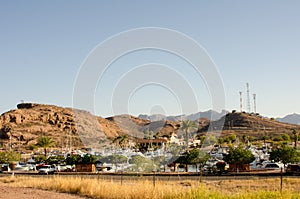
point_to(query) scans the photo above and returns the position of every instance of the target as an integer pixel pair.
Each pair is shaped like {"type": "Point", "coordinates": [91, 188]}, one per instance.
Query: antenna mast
{"type": "Point", "coordinates": [254, 101]}
{"type": "Point", "coordinates": [248, 98]}
{"type": "Point", "coordinates": [241, 102]}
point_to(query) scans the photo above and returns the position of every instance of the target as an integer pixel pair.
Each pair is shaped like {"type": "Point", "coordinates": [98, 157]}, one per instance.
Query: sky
{"type": "Point", "coordinates": [44, 44]}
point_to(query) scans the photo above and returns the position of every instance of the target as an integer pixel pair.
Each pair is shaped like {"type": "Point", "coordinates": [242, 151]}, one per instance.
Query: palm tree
{"type": "Point", "coordinates": [121, 140]}
{"type": "Point", "coordinates": [188, 126]}
{"type": "Point", "coordinates": [45, 142]}
{"type": "Point", "coordinates": [295, 133]}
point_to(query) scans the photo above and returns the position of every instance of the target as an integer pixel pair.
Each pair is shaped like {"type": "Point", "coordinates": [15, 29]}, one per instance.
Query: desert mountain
{"type": "Point", "coordinates": [210, 114]}
{"type": "Point", "coordinates": [22, 127]}
{"type": "Point", "coordinates": [291, 119]}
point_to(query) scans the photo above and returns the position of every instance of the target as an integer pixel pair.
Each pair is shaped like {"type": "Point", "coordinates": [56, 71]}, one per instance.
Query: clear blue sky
{"type": "Point", "coordinates": [43, 44]}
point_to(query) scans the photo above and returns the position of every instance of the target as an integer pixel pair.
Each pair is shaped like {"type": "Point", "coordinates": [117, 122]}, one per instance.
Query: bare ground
{"type": "Point", "coordinates": [7, 192]}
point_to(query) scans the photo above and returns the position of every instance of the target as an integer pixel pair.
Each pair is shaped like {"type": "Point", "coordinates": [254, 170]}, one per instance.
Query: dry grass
{"type": "Point", "coordinates": [95, 188]}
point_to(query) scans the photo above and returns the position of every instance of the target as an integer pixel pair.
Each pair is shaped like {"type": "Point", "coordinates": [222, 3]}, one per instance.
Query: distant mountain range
{"type": "Point", "coordinates": [291, 119]}
{"type": "Point", "coordinates": [210, 114]}
{"type": "Point", "coordinates": [213, 116]}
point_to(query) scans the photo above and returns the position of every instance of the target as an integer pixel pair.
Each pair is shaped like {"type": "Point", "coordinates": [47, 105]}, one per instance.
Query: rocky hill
{"type": "Point", "coordinates": [66, 126]}
{"type": "Point", "coordinates": [21, 127]}
{"type": "Point", "coordinates": [251, 125]}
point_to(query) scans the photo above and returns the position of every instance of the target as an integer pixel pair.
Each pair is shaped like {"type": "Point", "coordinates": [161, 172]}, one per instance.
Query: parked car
{"type": "Point", "coordinates": [272, 166]}
{"type": "Point", "coordinates": [46, 169]}
{"type": "Point", "coordinates": [65, 168]}
{"type": "Point", "coordinates": [293, 169]}
{"type": "Point", "coordinates": [5, 167]}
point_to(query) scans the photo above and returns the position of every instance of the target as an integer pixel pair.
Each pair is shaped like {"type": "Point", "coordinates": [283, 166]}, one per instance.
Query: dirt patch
{"type": "Point", "coordinates": [30, 193]}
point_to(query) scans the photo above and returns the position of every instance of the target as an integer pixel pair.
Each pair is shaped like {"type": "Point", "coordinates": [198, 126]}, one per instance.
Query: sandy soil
{"type": "Point", "coordinates": [29, 193]}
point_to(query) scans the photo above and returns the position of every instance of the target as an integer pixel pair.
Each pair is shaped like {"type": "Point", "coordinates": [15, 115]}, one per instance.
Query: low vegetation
{"type": "Point", "coordinates": [99, 188]}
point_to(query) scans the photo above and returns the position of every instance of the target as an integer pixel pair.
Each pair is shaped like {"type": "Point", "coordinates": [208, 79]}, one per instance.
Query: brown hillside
{"type": "Point", "coordinates": [251, 124]}
{"type": "Point", "coordinates": [64, 125]}
{"type": "Point", "coordinates": [79, 128]}
{"type": "Point", "coordinates": [136, 127]}
{"type": "Point", "coordinates": [67, 126]}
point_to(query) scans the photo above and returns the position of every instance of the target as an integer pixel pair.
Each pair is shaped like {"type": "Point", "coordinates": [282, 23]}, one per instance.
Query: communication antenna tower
{"type": "Point", "coordinates": [254, 102]}
{"type": "Point", "coordinates": [241, 102]}
{"type": "Point", "coordinates": [248, 98]}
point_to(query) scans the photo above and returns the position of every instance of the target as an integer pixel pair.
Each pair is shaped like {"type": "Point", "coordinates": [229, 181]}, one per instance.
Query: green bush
{"type": "Point", "coordinates": [40, 159]}
{"type": "Point", "coordinates": [77, 159]}
{"type": "Point", "coordinates": [8, 157]}
{"type": "Point", "coordinates": [73, 159]}
{"type": "Point", "coordinates": [56, 160]}
{"type": "Point", "coordinates": [33, 147]}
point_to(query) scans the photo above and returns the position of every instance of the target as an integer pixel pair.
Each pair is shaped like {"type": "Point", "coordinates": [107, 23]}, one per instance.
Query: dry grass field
{"type": "Point", "coordinates": [222, 189]}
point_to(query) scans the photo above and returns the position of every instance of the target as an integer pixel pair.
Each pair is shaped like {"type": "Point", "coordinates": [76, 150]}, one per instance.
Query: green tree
{"type": "Point", "coordinates": [45, 142]}
{"type": "Point", "coordinates": [40, 159]}
{"type": "Point", "coordinates": [73, 159]}
{"type": "Point", "coordinates": [56, 160]}
{"type": "Point", "coordinates": [239, 155]}
{"type": "Point", "coordinates": [264, 139]}
{"type": "Point", "coordinates": [210, 139]}
{"type": "Point", "coordinates": [88, 159]}
{"type": "Point", "coordinates": [194, 156]}
{"type": "Point", "coordinates": [230, 138]}
{"type": "Point", "coordinates": [202, 138]}
{"type": "Point", "coordinates": [188, 126]}
{"type": "Point", "coordinates": [245, 138]}
{"type": "Point", "coordinates": [286, 137]}
{"type": "Point", "coordinates": [8, 157]}
{"type": "Point", "coordinates": [277, 139]}
{"type": "Point", "coordinates": [220, 141]}
{"type": "Point", "coordinates": [141, 163]}
{"type": "Point", "coordinates": [285, 154]}
{"type": "Point", "coordinates": [160, 161]}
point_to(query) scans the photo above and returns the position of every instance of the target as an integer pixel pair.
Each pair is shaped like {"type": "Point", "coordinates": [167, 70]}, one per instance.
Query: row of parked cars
{"type": "Point", "coordinates": [41, 168]}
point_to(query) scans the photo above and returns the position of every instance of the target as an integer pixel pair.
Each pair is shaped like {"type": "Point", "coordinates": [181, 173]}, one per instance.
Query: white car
{"type": "Point", "coordinates": [273, 166]}
{"type": "Point", "coordinates": [47, 169]}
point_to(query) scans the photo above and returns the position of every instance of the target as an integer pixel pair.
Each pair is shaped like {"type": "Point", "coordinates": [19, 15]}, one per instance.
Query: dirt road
{"type": "Point", "coordinates": [7, 192]}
